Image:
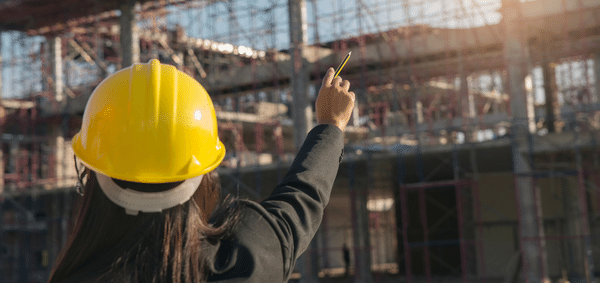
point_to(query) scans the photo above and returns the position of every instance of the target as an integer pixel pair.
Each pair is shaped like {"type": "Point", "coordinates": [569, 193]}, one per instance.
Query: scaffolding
{"type": "Point", "coordinates": [472, 153]}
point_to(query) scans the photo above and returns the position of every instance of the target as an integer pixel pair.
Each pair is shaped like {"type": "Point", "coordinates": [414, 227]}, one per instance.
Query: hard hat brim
{"type": "Point", "coordinates": [81, 155]}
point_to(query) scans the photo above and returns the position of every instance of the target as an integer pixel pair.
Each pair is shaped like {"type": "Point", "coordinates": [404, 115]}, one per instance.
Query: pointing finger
{"type": "Point", "coordinates": [328, 77]}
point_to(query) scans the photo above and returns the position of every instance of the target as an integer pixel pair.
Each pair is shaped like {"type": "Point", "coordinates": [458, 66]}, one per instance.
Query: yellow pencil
{"type": "Point", "coordinates": [339, 68]}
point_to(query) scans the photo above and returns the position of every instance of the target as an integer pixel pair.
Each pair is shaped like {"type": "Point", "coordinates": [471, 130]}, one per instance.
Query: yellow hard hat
{"type": "Point", "coordinates": [149, 123]}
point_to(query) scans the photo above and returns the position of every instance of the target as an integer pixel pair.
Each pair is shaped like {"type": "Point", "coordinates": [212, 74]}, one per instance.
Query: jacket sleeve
{"type": "Point", "coordinates": [295, 207]}
{"type": "Point", "coordinates": [272, 234]}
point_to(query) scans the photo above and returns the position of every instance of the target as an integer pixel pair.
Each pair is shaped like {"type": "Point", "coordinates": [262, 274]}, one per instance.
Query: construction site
{"type": "Point", "coordinates": [472, 154]}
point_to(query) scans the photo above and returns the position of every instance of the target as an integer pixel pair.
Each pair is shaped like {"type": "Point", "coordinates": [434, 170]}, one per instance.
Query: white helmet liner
{"type": "Point", "coordinates": [136, 201]}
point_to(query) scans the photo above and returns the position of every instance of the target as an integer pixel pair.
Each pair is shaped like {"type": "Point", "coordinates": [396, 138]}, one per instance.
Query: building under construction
{"type": "Point", "coordinates": [471, 155]}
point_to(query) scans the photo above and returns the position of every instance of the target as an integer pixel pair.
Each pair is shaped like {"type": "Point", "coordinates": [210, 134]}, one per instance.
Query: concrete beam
{"type": "Point", "coordinates": [16, 104]}
{"type": "Point", "coordinates": [130, 42]}
{"type": "Point", "coordinates": [457, 123]}
{"type": "Point", "coordinates": [543, 8]}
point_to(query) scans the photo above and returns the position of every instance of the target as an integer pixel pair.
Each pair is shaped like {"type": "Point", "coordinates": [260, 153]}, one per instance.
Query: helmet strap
{"type": "Point", "coordinates": [135, 201]}
{"type": "Point", "coordinates": [79, 186]}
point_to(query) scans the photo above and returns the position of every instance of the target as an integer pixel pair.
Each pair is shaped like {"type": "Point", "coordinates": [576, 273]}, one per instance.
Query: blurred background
{"type": "Point", "coordinates": [472, 154]}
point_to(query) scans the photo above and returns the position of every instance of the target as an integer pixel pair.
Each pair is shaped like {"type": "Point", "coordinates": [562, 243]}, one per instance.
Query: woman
{"type": "Point", "coordinates": [149, 145]}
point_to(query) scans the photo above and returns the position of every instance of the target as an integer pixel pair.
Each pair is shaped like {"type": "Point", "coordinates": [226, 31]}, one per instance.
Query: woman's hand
{"type": "Point", "coordinates": [335, 103]}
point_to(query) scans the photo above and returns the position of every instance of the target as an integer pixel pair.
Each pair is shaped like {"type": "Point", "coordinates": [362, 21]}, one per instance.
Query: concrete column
{"type": "Point", "coordinates": [3, 247]}
{"type": "Point", "coordinates": [597, 76]}
{"type": "Point", "coordinates": [549, 79]}
{"type": "Point", "coordinates": [362, 242]}
{"type": "Point", "coordinates": [361, 235]}
{"type": "Point", "coordinates": [1, 147]}
{"type": "Point", "coordinates": [465, 96]}
{"type": "Point", "coordinates": [1, 174]}
{"type": "Point", "coordinates": [181, 62]}
{"type": "Point", "coordinates": [399, 180]}
{"type": "Point", "coordinates": [25, 258]}
{"type": "Point", "coordinates": [15, 256]}
{"type": "Point", "coordinates": [359, 216]}
{"type": "Point", "coordinates": [417, 113]}
{"type": "Point", "coordinates": [572, 212]}
{"type": "Point", "coordinates": [355, 117]}
{"type": "Point", "coordinates": [55, 44]}
{"type": "Point", "coordinates": [53, 229]}
{"type": "Point", "coordinates": [323, 235]}
{"type": "Point", "coordinates": [301, 109]}
{"type": "Point", "coordinates": [59, 151]}
{"type": "Point", "coordinates": [308, 262]}
{"type": "Point", "coordinates": [130, 42]}
{"type": "Point", "coordinates": [467, 102]}
{"type": "Point", "coordinates": [13, 150]}
{"type": "Point", "coordinates": [549, 92]}
{"type": "Point", "coordinates": [1, 110]}
{"type": "Point", "coordinates": [529, 201]}
{"type": "Point", "coordinates": [471, 100]}
{"type": "Point", "coordinates": [58, 89]}
{"type": "Point", "coordinates": [535, 267]}
{"type": "Point", "coordinates": [64, 218]}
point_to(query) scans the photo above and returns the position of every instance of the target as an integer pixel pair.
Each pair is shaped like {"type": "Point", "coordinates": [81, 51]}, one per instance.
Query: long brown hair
{"type": "Point", "coordinates": [149, 247]}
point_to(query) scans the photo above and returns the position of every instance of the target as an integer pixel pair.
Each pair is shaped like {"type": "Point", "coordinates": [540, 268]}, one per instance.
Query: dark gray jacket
{"type": "Point", "coordinates": [272, 234]}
